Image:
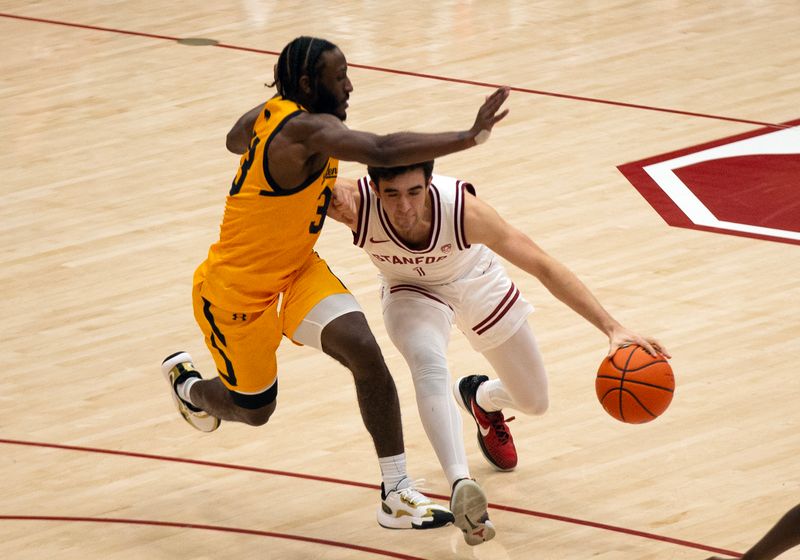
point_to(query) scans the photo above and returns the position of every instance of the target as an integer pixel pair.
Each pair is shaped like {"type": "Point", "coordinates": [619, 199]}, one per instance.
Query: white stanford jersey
{"type": "Point", "coordinates": [444, 258]}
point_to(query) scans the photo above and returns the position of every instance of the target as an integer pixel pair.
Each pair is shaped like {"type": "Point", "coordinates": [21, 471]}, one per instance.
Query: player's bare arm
{"type": "Point", "coordinates": [326, 134]}
{"type": "Point", "coordinates": [345, 202]}
{"type": "Point", "coordinates": [238, 138]}
{"type": "Point", "coordinates": [484, 225]}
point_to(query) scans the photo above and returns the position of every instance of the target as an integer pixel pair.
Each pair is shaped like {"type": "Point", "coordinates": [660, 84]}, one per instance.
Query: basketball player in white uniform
{"type": "Point", "coordinates": [436, 245]}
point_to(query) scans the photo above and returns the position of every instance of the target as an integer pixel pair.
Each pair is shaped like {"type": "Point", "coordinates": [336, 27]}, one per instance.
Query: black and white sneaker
{"type": "Point", "coordinates": [177, 368]}
{"type": "Point", "coordinates": [405, 507]}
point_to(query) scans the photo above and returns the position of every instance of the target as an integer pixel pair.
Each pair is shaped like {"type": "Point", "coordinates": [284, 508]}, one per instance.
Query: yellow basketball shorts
{"type": "Point", "coordinates": [243, 344]}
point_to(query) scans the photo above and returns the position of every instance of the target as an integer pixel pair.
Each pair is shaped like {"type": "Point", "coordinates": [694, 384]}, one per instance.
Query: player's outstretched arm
{"type": "Point", "coordinates": [484, 225]}
{"type": "Point", "coordinates": [325, 134]}
{"type": "Point", "coordinates": [783, 536]}
{"type": "Point", "coordinates": [238, 138]}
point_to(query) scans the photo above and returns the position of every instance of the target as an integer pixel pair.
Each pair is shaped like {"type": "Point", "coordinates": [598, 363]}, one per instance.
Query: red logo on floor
{"type": "Point", "coordinates": [746, 185]}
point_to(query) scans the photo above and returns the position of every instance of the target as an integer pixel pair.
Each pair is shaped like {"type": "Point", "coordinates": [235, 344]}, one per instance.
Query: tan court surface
{"type": "Point", "coordinates": [114, 173]}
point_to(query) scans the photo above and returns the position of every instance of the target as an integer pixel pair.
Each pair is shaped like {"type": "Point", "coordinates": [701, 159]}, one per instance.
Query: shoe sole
{"type": "Point", "coordinates": [469, 506]}
{"type": "Point", "coordinates": [441, 518]}
{"type": "Point", "coordinates": [460, 400]}
{"type": "Point", "coordinates": [201, 421]}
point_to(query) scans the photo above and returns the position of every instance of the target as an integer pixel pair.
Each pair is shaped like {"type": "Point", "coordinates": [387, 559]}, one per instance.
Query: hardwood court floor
{"type": "Point", "coordinates": [114, 176]}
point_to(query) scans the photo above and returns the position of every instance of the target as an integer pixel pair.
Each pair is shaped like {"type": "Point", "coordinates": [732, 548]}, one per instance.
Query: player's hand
{"type": "Point", "coordinates": [623, 337]}
{"type": "Point", "coordinates": [488, 114]}
{"type": "Point", "coordinates": [343, 205]}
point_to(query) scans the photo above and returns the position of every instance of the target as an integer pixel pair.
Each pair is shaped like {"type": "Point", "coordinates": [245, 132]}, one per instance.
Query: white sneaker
{"type": "Point", "coordinates": [177, 368]}
{"type": "Point", "coordinates": [404, 507]}
{"type": "Point", "coordinates": [469, 505]}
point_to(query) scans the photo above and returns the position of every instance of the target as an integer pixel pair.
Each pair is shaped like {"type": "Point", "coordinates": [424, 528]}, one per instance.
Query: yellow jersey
{"type": "Point", "coordinates": [267, 232]}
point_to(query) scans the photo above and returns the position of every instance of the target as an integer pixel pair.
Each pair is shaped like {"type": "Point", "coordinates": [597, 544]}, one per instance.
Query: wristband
{"type": "Point", "coordinates": [482, 136]}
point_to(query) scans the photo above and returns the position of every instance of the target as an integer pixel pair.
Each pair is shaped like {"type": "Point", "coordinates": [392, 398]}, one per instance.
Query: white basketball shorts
{"type": "Point", "coordinates": [485, 304]}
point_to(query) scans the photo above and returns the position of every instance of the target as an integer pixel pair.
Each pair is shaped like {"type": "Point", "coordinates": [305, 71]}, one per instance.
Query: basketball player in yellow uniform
{"type": "Point", "coordinates": [262, 280]}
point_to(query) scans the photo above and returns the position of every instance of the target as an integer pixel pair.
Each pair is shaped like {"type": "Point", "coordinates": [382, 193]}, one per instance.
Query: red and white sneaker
{"type": "Point", "coordinates": [494, 437]}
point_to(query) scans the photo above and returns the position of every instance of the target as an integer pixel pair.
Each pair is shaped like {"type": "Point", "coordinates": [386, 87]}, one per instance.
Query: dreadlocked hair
{"type": "Point", "coordinates": [299, 57]}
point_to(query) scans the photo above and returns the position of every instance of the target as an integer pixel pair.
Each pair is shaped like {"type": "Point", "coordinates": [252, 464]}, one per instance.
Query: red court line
{"type": "Point", "coordinates": [568, 96]}
{"type": "Point", "coordinates": [633, 532]}
{"type": "Point", "coordinates": [92, 27]}
{"type": "Point", "coordinates": [118, 521]}
{"type": "Point", "coordinates": [191, 462]}
{"type": "Point", "coordinates": [511, 509]}
{"type": "Point", "coordinates": [421, 75]}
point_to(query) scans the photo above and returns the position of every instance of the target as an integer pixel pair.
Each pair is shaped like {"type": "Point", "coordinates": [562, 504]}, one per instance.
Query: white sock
{"type": "Point", "coordinates": [393, 470]}
{"type": "Point", "coordinates": [184, 388]}
{"type": "Point", "coordinates": [492, 395]}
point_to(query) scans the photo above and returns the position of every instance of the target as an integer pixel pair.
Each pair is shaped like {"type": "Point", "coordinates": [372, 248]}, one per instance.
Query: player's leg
{"type": "Point", "coordinates": [243, 346]}
{"type": "Point", "coordinates": [420, 329]}
{"type": "Point", "coordinates": [349, 340]}
{"type": "Point", "coordinates": [490, 311]}
{"type": "Point", "coordinates": [421, 332]}
{"type": "Point", "coordinates": [522, 383]}
{"type": "Point", "coordinates": [215, 398]}
{"type": "Point", "coordinates": [320, 312]}
{"type": "Point", "coordinates": [209, 398]}
{"type": "Point", "coordinates": [335, 324]}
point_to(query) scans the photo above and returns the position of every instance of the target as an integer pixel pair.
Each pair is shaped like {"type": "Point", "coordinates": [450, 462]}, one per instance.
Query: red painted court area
{"type": "Point", "coordinates": [747, 185]}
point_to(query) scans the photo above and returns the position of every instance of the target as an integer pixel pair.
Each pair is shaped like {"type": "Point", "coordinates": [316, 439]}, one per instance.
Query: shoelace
{"type": "Point", "coordinates": [499, 424]}
{"type": "Point", "coordinates": [411, 494]}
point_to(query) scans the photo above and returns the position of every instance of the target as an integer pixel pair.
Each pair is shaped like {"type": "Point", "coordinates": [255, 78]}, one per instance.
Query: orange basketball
{"type": "Point", "coordinates": [633, 386]}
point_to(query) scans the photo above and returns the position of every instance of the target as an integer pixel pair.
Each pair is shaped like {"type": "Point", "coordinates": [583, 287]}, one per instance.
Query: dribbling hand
{"type": "Point", "coordinates": [623, 337]}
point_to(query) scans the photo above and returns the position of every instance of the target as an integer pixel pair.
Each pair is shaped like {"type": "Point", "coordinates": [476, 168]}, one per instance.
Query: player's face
{"type": "Point", "coordinates": [333, 85]}
{"type": "Point", "coordinates": [404, 198]}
